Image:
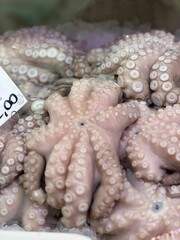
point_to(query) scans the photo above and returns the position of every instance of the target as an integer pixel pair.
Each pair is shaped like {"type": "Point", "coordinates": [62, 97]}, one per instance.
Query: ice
{"type": "Point", "coordinates": [86, 230]}
{"type": "Point", "coordinates": [11, 227]}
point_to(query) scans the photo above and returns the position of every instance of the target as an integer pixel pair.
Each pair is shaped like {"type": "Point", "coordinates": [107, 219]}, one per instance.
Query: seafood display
{"type": "Point", "coordinates": [99, 142]}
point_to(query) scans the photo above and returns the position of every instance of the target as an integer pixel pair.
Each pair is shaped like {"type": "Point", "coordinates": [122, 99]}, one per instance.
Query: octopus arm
{"type": "Point", "coordinates": [134, 79]}
{"type": "Point", "coordinates": [111, 174]}
{"type": "Point", "coordinates": [34, 216]}
{"type": "Point", "coordinates": [30, 73]}
{"type": "Point", "coordinates": [43, 47]}
{"type": "Point", "coordinates": [3, 140]}
{"type": "Point", "coordinates": [57, 106]}
{"type": "Point", "coordinates": [42, 140]}
{"type": "Point", "coordinates": [93, 96]}
{"type": "Point", "coordinates": [151, 148]}
{"type": "Point", "coordinates": [119, 117]}
{"type": "Point", "coordinates": [26, 124]}
{"type": "Point", "coordinates": [164, 79]}
{"type": "Point", "coordinates": [135, 128]}
{"type": "Point", "coordinates": [10, 202]}
{"type": "Point", "coordinates": [12, 160]}
{"type": "Point", "coordinates": [79, 184]}
{"type": "Point", "coordinates": [34, 165]}
{"type": "Point", "coordinates": [56, 170]}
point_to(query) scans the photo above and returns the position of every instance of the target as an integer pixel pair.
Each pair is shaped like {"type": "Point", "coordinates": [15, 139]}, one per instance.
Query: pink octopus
{"type": "Point", "coordinates": [12, 143]}
{"type": "Point", "coordinates": [80, 146]}
{"type": "Point", "coordinates": [15, 206]}
{"type": "Point", "coordinates": [143, 212]}
{"type": "Point", "coordinates": [155, 149]}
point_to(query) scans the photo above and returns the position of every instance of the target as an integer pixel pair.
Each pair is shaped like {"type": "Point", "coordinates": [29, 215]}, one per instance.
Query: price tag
{"type": "Point", "coordinates": [11, 98]}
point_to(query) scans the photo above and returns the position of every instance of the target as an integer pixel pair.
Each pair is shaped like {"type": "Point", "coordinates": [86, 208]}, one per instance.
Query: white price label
{"type": "Point", "coordinates": [11, 98]}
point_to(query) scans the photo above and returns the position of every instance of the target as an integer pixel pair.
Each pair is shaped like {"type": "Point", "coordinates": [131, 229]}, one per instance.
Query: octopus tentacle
{"type": "Point", "coordinates": [44, 46]}
{"type": "Point", "coordinates": [164, 79]}
{"type": "Point", "coordinates": [79, 184]}
{"type": "Point", "coordinates": [3, 140]}
{"type": "Point", "coordinates": [56, 171]}
{"type": "Point", "coordinates": [134, 76]}
{"type": "Point", "coordinates": [126, 113]}
{"type": "Point", "coordinates": [10, 202]}
{"type": "Point", "coordinates": [12, 159]}
{"type": "Point", "coordinates": [92, 94]}
{"type": "Point", "coordinates": [167, 157]}
{"type": "Point", "coordinates": [25, 72]}
{"type": "Point", "coordinates": [45, 134]}
{"type": "Point", "coordinates": [111, 176]}
{"type": "Point", "coordinates": [34, 216]}
{"type": "Point", "coordinates": [122, 49]}
{"type": "Point", "coordinates": [34, 165]}
{"type": "Point", "coordinates": [56, 101]}
{"type": "Point", "coordinates": [151, 146]}
{"type": "Point", "coordinates": [77, 101]}
{"type": "Point", "coordinates": [16, 207]}
{"type": "Point", "coordinates": [134, 128]}
{"type": "Point", "coordinates": [103, 93]}
{"type": "Point", "coordinates": [26, 124]}
{"type": "Point", "coordinates": [36, 57]}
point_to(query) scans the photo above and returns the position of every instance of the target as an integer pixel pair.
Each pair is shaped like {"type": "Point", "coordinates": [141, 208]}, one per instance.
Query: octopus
{"type": "Point", "coordinates": [15, 206]}
{"type": "Point", "coordinates": [80, 146]}
{"type": "Point", "coordinates": [155, 149]}
{"type": "Point", "coordinates": [143, 211]}
{"type": "Point", "coordinates": [99, 140]}
{"type": "Point", "coordinates": [142, 64]}
{"type": "Point", "coordinates": [12, 141]}
{"type": "Point", "coordinates": [36, 57]}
